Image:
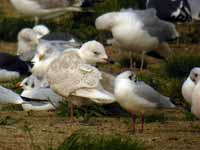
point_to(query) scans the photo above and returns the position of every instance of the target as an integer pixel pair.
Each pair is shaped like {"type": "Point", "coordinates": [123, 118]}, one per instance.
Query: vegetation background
{"type": "Point", "coordinates": [104, 127]}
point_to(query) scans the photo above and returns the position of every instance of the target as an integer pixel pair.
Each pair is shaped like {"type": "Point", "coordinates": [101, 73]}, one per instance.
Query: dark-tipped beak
{"type": "Point", "coordinates": [110, 61]}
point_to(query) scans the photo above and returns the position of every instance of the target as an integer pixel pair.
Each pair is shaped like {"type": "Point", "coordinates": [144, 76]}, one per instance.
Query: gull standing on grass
{"type": "Point", "coordinates": [46, 9]}
{"type": "Point", "coordinates": [189, 85]}
{"type": "Point", "coordinates": [71, 76]}
{"type": "Point", "coordinates": [138, 31]}
{"type": "Point", "coordinates": [38, 95]}
{"type": "Point", "coordinates": [138, 97]}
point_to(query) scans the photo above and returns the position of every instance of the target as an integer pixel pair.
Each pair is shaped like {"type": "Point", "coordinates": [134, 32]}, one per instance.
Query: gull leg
{"type": "Point", "coordinates": [142, 124]}
{"type": "Point", "coordinates": [71, 111]}
{"type": "Point", "coordinates": [142, 61]}
{"type": "Point", "coordinates": [134, 121]}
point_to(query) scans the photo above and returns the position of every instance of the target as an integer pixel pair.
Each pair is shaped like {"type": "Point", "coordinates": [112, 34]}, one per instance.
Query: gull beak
{"type": "Point", "coordinates": [41, 56]}
{"type": "Point", "coordinates": [18, 85]}
{"type": "Point", "coordinates": [193, 79]}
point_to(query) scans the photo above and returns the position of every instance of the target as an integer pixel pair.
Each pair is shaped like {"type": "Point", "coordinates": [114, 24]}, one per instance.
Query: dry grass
{"type": "Point", "coordinates": [45, 129]}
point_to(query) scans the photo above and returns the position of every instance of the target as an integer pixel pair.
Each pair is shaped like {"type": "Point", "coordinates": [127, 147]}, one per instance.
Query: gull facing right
{"type": "Point", "coordinates": [138, 97]}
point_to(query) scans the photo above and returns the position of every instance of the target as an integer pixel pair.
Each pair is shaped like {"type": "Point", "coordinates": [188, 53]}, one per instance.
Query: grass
{"type": "Point", "coordinates": [93, 110]}
{"type": "Point", "coordinates": [87, 140]}
{"type": "Point", "coordinates": [159, 117]}
{"type": "Point", "coordinates": [179, 66]}
{"type": "Point", "coordinates": [189, 116]}
{"type": "Point", "coordinates": [7, 121]}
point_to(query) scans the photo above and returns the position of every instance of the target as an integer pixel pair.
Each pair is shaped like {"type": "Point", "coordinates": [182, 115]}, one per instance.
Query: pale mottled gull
{"type": "Point", "coordinates": [171, 10]}
{"type": "Point", "coordinates": [46, 9]}
{"type": "Point", "coordinates": [77, 78]}
{"type": "Point", "coordinates": [90, 52]}
{"type": "Point", "coordinates": [189, 84]}
{"type": "Point", "coordinates": [138, 30]}
{"type": "Point", "coordinates": [137, 97]}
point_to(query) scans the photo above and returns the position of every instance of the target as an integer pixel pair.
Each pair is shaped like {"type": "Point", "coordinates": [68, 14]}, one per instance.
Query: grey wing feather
{"type": "Point", "coordinates": [148, 93]}
{"type": "Point", "coordinates": [51, 4]}
{"type": "Point", "coordinates": [163, 30]}
{"type": "Point", "coordinates": [107, 81]}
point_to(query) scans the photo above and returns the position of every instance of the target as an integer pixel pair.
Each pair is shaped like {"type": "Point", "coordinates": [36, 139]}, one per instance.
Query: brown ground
{"type": "Point", "coordinates": [23, 131]}
{"type": "Point", "coordinates": [46, 129]}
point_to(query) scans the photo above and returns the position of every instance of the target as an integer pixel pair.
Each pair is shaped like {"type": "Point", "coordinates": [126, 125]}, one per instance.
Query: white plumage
{"type": "Point", "coordinates": [81, 79]}
{"type": "Point", "coordinates": [138, 30]}
{"type": "Point", "coordinates": [137, 97]}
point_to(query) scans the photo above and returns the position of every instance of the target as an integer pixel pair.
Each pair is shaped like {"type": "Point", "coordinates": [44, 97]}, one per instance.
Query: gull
{"type": "Point", "coordinates": [137, 97]}
{"type": "Point", "coordinates": [172, 10]}
{"type": "Point", "coordinates": [189, 85]}
{"type": "Point", "coordinates": [195, 94]}
{"type": "Point", "coordinates": [12, 67]}
{"type": "Point", "coordinates": [195, 8]}
{"type": "Point", "coordinates": [9, 97]}
{"type": "Point", "coordinates": [138, 30]}
{"type": "Point", "coordinates": [27, 42]}
{"type": "Point", "coordinates": [46, 53]}
{"type": "Point", "coordinates": [28, 39]}
{"type": "Point", "coordinates": [41, 30]}
{"type": "Point", "coordinates": [38, 95]}
{"type": "Point", "coordinates": [46, 9]}
{"type": "Point", "coordinates": [72, 75]}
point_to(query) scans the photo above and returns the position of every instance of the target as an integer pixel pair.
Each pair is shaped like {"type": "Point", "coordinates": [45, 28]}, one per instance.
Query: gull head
{"type": "Point", "coordinates": [41, 30]}
{"type": "Point", "coordinates": [93, 52]}
{"type": "Point", "coordinates": [127, 75]}
{"type": "Point", "coordinates": [29, 83]}
{"type": "Point", "coordinates": [44, 52]}
{"type": "Point", "coordinates": [106, 21]}
{"type": "Point", "coordinates": [27, 41]}
{"type": "Point", "coordinates": [195, 75]}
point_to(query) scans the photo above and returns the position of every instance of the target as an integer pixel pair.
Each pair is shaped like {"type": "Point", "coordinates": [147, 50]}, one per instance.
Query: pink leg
{"type": "Point", "coordinates": [71, 111]}
{"type": "Point", "coordinates": [142, 124]}
{"type": "Point", "coordinates": [134, 121]}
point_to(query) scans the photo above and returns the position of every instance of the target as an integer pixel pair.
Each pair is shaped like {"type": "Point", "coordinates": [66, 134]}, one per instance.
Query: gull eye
{"type": "Point", "coordinates": [96, 53]}
{"type": "Point", "coordinates": [32, 85]}
{"type": "Point", "coordinates": [26, 83]}
{"type": "Point", "coordinates": [196, 75]}
{"type": "Point", "coordinates": [130, 77]}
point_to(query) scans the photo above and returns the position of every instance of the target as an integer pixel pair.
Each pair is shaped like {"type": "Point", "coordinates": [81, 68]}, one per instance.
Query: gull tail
{"type": "Point", "coordinates": [164, 50]}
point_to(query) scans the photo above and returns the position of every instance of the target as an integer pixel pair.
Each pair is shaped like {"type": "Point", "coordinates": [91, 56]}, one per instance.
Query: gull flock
{"type": "Point", "coordinates": [59, 67]}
